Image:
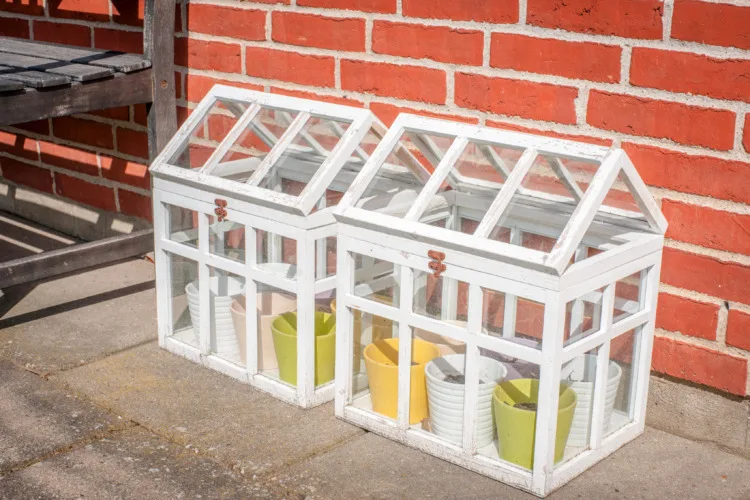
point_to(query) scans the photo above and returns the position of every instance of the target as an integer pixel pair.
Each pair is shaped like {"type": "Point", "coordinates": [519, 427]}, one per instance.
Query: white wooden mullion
{"type": "Point", "coordinates": [576, 313]}
{"type": "Point", "coordinates": [566, 179]}
{"type": "Point", "coordinates": [438, 177]}
{"type": "Point", "coordinates": [344, 328]}
{"type": "Point", "coordinates": [642, 352]}
{"type": "Point", "coordinates": [494, 159]}
{"type": "Point", "coordinates": [306, 136]}
{"type": "Point", "coordinates": [251, 300]}
{"type": "Point", "coordinates": [306, 319]}
{"type": "Point", "coordinates": [510, 305]}
{"type": "Point", "coordinates": [339, 131]}
{"type": "Point", "coordinates": [601, 379]}
{"type": "Point", "coordinates": [590, 342]}
{"type": "Point", "coordinates": [163, 271]}
{"type": "Point", "coordinates": [232, 136]}
{"type": "Point", "coordinates": [549, 392]}
{"type": "Point", "coordinates": [504, 197]}
{"type": "Point", "coordinates": [284, 141]}
{"type": "Point", "coordinates": [405, 347]}
{"type": "Point", "coordinates": [584, 213]}
{"type": "Point", "coordinates": [204, 286]}
{"type": "Point", "coordinates": [471, 370]}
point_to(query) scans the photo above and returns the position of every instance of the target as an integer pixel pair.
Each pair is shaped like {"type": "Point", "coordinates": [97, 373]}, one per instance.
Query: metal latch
{"type": "Point", "coordinates": [436, 264]}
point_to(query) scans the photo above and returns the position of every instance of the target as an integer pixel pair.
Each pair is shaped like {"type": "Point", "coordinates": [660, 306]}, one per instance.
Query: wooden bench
{"type": "Point", "coordinates": [43, 80]}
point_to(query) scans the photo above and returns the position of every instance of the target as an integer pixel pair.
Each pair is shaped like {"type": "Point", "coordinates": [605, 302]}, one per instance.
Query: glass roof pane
{"type": "Point", "coordinates": [462, 201]}
{"type": "Point", "coordinates": [300, 161]}
{"type": "Point", "coordinates": [344, 178]}
{"type": "Point", "coordinates": [254, 143]}
{"type": "Point", "coordinates": [406, 169]}
{"type": "Point", "coordinates": [207, 134]}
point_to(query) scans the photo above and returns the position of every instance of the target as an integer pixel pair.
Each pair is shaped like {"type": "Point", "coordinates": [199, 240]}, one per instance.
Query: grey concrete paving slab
{"type": "Point", "coordinates": [38, 418]}
{"type": "Point", "coordinates": [131, 464]}
{"type": "Point", "coordinates": [73, 320]}
{"type": "Point", "coordinates": [195, 406]}
{"type": "Point", "coordinates": [656, 466]}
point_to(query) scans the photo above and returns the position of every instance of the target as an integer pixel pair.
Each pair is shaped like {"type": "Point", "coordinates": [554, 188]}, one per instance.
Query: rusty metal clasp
{"type": "Point", "coordinates": [220, 211]}
{"type": "Point", "coordinates": [436, 264]}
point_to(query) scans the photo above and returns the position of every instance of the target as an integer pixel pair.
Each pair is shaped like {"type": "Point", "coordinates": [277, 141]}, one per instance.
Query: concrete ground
{"type": "Point", "coordinates": [91, 407]}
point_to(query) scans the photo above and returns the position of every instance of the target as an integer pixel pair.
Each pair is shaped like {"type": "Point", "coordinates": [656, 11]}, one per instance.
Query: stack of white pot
{"type": "Point", "coordinates": [579, 374]}
{"type": "Point", "coordinates": [446, 398]}
{"type": "Point", "coordinates": [223, 290]}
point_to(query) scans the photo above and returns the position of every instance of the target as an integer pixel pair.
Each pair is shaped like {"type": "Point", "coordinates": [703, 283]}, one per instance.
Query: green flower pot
{"type": "Point", "coordinates": [284, 329]}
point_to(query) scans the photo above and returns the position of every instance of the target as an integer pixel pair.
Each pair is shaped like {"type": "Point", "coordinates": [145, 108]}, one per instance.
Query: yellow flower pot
{"type": "Point", "coordinates": [516, 427]}
{"type": "Point", "coordinates": [284, 330]}
{"type": "Point", "coordinates": [381, 362]}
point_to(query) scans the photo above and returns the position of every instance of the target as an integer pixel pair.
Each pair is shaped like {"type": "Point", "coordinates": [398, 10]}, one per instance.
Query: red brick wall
{"type": "Point", "coordinates": [668, 81]}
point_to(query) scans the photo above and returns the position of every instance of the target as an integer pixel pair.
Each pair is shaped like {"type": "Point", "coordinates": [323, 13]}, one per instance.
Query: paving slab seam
{"type": "Point", "coordinates": [91, 438]}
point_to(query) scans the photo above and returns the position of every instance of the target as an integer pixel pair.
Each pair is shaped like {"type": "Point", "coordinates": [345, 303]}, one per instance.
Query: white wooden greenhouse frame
{"type": "Point", "coordinates": [203, 190]}
{"type": "Point", "coordinates": [627, 243]}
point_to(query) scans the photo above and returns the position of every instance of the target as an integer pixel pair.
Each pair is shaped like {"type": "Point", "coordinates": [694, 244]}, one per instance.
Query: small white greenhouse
{"type": "Point", "coordinates": [245, 236]}
{"type": "Point", "coordinates": [496, 299]}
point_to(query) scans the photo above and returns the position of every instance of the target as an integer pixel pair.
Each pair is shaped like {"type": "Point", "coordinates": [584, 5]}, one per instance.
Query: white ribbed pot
{"type": "Point", "coordinates": [579, 374]}
{"type": "Point", "coordinates": [446, 399]}
{"type": "Point", "coordinates": [223, 290]}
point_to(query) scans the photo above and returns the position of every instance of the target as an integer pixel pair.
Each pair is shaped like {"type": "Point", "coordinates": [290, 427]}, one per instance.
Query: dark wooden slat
{"type": "Point", "coordinates": [33, 79]}
{"type": "Point", "coordinates": [9, 85]}
{"type": "Point", "coordinates": [158, 34]}
{"type": "Point", "coordinates": [107, 58]}
{"type": "Point", "coordinates": [75, 258]}
{"type": "Point", "coordinates": [122, 90]}
{"type": "Point", "coordinates": [76, 72]}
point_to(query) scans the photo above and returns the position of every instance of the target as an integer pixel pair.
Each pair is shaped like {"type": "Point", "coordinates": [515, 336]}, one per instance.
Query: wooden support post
{"type": "Point", "coordinates": [158, 46]}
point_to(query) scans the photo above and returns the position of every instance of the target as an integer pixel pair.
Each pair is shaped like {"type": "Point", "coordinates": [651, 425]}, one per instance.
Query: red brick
{"type": "Point", "coordinates": [200, 54]}
{"type": "Point", "coordinates": [496, 11]}
{"type": "Point", "coordinates": [69, 34]}
{"type": "Point", "coordinates": [404, 82]}
{"type": "Point", "coordinates": [347, 101]}
{"type": "Point", "coordinates": [135, 204]}
{"type": "Point", "coordinates": [702, 175]}
{"type": "Point", "coordinates": [18, 28]}
{"type": "Point", "coordinates": [69, 158]}
{"type": "Point", "coordinates": [87, 10]}
{"type": "Point", "coordinates": [40, 127]}
{"type": "Point", "coordinates": [712, 23]}
{"type": "Point", "coordinates": [711, 128]}
{"type": "Point", "coordinates": [18, 145]}
{"type": "Point", "coordinates": [84, 131]}
{"type": "Point", "coordinates": [124, 41]}
{"type": "Point", "coordinates": [140, 115]}
{"type": "Point", "coordinates": [691, 73]}
{"type": "Point", "coordinates": [30, 7]}
{"type": "Point", "coordinates": [82, 191]}
{"type": "Point", "coordinates": [122, 113]}
{"type": "Point", "coordinates": [583, 60]}
{"type": "Point", "coordinates": [126, 172]}
{"type": "Point", "coordinates": [290, 66]}
{"type": "Point", "coordinates": [548, 133]}
{"type": "Point", "coordinates": [539, 101]}
{"type": "Point", "coordinates": [132, 142]}
{"type": "Point", "coordinates": [700, 365]}
{"type": "Point", "coordinates": [128, 12]}
{"type": "Point", "coordinates": [689, 317]}
{"type": "Point", "coordinates": [244, 24]}
{"type": "Point", "coordinates": [388, 113]}
{"type": "Point", "coordinates": [196, 86]}
{"type": "Point", "coordinates": [707, 227]}
{"type": "Point", "coordinates": [383, 6]}
{"type": "Point", "coordinates": [418, 41]}
{"type": "Point", "coordinates": [307, 30]}
{"type": "Point", "coordinates": [628, 18]}
{"type": "Point", "coordinates": [738, 329]}
{"type": "Point", "coordinates": [746, 134]}
{"type": "Point", "coordinates": [709, 275]}
{"type": "Point", "coordinates": [25, 174]}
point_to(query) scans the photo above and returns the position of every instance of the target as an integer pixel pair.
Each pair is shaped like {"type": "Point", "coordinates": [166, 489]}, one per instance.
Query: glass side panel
{"type": "Point", "coordinates": [583, 317]}
{"type": "Point", "coordinates": [301, 160]}
{"type": "Point", "coordinates": [210, 129]}
{"type": "Point", "coordinates": [376, 279]}
{"type": "Point", "coordinates": [464, 197]}
{"type": "Point", "coordinates": [227, 340]}
{"type": "Point", "coordinates": [226, 239]}
{"type": "Point", "coordinates": [254, 143]}
{"type": "Point", "coordinates": [627, 297]}
{"type": "Point", "coordinates": [185, 304]}
{"type": "Point", "coordinates": [515, 319]}
{"type": "Point", "coordinates": [276, 333]}
{"type": "Point", "coordinates": [400, 179]}
{"type": "Point", "coordinates": [182, 225]}
{"type": "Point", "coordinates": [624, 355]}
{"type": "Point", "coordinates": [276, 254]}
